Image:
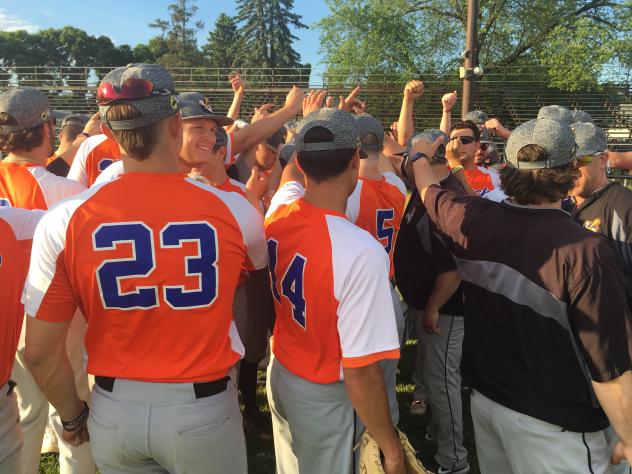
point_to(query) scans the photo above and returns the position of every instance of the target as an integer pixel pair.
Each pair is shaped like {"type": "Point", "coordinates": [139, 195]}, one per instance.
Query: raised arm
{"type": "Point", "coordinates": [239, 88]}
{"type": "Point", "coordinates": [497, 128]}
{"type": "Point", "coordinates": [447, 101]}
{"type": "Point", "coordinates": [413, 91]}
{"type": "Point", "coordinates": [620, 159]}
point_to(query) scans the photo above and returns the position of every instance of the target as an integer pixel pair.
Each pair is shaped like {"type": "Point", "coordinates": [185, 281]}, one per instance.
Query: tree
{"type": "Point", "coordinates": [571, 38]}
{"type": "Point", "coordinates": [177, 36]}
{"type": "Point", "coordinates": [222, 47]}
{"type": "Point", "coordinates": [265, 32]}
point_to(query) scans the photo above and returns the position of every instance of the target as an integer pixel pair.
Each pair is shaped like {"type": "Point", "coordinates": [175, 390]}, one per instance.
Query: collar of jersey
{"type": "Point", "coordinates": [303, 204]}
{"type": "Point", "coordinates": [154, 176]}
{"type": "Point", "coordinates": [519, 207]}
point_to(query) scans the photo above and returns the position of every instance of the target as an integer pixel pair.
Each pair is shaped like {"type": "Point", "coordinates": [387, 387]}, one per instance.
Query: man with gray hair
{"type": "Point", "coordinates": [548, 340]}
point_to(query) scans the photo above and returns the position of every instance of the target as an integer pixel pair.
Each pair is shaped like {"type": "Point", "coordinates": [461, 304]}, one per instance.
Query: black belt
{"type": "Point", "coordinates": [201, 389]}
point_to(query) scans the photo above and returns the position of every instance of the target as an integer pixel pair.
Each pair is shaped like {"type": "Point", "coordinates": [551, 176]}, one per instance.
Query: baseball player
{"type": "Point", "coordinates": [156, 283]}
{"type": "Point", "coordinates": [27, 135]}
{"type": "Point", "coordinates": [16, 233]}
{"type": "Point", "coordinates": [334, 312]}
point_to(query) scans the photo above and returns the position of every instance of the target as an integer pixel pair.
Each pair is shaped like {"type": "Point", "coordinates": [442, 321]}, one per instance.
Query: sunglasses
{"type": "Point", "coordinates": [464, 140]}
{"type": "Point", "coordinates": [132, 89]}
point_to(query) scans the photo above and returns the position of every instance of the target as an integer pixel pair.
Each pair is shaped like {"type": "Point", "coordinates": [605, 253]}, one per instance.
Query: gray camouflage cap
{"type": "Point", "coordinates": [340, 123]}
{"type": "Point", "coordinates": [556, 112]}
{"type": "Point", "coordinates": [554, 136]}
{"type": "Point", "coordinates": [28, 106]}
{"type": "Point", "coordinates": [195, 105]}
{"type": "Point", "coordinates": [287, 151]}
{"type": "Point", "coordinates": [581, 116]}
{"type": "Point", "coordinates": [163, 102]}
{"type": "Point", "coordinates": [367, 124]}
{"type": "Point", "coordinates": [590, 139]}
{"type": "Point", "coordinates": [477, 116]}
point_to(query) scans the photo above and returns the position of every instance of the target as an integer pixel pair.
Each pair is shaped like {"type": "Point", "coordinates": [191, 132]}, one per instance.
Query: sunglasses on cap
{"type": "Point", "coordinates": [132, 89]}
{"type": "Point", "coordinates": [465, 140]}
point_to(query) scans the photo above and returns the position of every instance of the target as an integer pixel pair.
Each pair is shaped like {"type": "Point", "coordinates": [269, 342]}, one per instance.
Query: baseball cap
{"type": "Point", "coordinates": [581, 116]}
{"type": "Point", "coordinates": [477, 116]}
{"type": "Point", "coordinates": [556, 112]}
{"type": "Point", "coordinates": [161, 102]}
{"type": "Point", "coordinates": [590, 139]}
{"type": "Point", "coordinates": [74, 120]}
{"type": "Point", "coordinates": [28, 106]}
{"type": "Point", "coordinates": [277, 138]}
{"type": "Point", "coordinates": [341, 124]}
{"type": "Point", "coordinates": [195, 105]}
{"type": "Point", "coordinates": [286, 152]}
{"type": "Point", "coordinates": [367, 124]}
{"type": "Point", "coordinates": [554, 136]}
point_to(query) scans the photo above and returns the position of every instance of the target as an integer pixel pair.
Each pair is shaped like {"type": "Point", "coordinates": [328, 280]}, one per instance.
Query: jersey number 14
{"type": "Point", "coordinates": [291, 282]}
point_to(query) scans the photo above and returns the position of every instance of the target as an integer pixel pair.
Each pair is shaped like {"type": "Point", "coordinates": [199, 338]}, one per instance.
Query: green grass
{"type": "Point", "coordinates": [261, 452]}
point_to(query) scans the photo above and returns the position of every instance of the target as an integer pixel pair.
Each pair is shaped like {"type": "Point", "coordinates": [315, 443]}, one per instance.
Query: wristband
{"type": "Point", "coordinates": [456, 170]}
{"type": "Point", "coordinates": [85, 134]}
{"type": "Point", "coordinates": [73, 425]}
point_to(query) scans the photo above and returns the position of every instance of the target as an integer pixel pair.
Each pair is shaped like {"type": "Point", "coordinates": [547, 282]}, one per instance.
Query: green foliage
{"type": "Point", "coordinates": [572, 39]}
{"type": "Point", "coordinates": [177, 45]}
{"type": "Point", "coordinates": [265, 33]}
{"type": "Point", "coordinates": [223, 45]}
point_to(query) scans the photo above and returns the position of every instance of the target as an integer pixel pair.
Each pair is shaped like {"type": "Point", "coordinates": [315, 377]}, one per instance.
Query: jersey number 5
{"type": "Point", "coordinates": [291, 283]}
{"type": "Point", "coordinates": [143, 262]}
{"type": "Point", "coordinates": [385, 231]}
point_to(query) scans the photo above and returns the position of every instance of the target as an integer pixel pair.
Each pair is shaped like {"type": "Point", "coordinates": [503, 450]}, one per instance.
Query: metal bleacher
{"type": "Point", "coordinates": [510, 95]}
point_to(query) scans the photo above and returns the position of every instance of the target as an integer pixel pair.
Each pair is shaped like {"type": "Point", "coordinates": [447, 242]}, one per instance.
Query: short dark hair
{"type": "Point", "coordinates": [139, 142]}
{"type": "Point", "coordinates": [25, 140]}
{"type": "Point", "coordinates": [465, 124]}
{"type": "Point", "coordinates": [323, 165]}
{"type": "Point", "coordinates": [537, 186]}
{"type": "Point", "coordinates": [69, 132]}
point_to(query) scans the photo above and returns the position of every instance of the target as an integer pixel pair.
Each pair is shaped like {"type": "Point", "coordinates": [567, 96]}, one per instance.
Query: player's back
{"type": "Point", "coordinates": [31, 186]}
{"type": "Point", "coordinates": [155, 280]}
{"type": "Point", "coordinates": [94, 155]}
{"type": "Point", "coordinates": [312, 254]}
{"type": "Point", "coordinates": [377, 206]}
{"type": "Point", "coordinates": [16, 233]}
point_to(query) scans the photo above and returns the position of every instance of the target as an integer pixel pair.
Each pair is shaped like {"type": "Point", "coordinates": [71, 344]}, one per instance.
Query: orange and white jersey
{"type": "Point", "coordinates": [114, 170]}
{"type": "Point", "coordinates": [155, 281]}
{"type": "Point", "coordinates": [378, 207]}
{"type": "Point", "coordinates": [33, 187]}
{"type": "Point", "coordinates": [485, 183]}
{"type": "Point", "coordinates": [233, 186]}
{"type": "Point", "coordinates": [94, 155]}
{"type": "Point", "coordinates": [17, 227]}
{"type": "Point", "coordinates": [330, 285]}
{"type": "Point", "coordinates": [229, 159]}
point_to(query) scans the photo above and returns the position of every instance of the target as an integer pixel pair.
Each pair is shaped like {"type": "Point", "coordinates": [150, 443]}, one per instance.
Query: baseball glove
{"type": "Point", "coordinates": [371, 461]}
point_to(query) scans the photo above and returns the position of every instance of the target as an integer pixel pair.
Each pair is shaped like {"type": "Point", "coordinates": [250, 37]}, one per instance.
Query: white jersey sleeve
{"type": "Point", "coordinates": [366, 318]}
{"type": "Point", "coordinates": [289, 192]}
{"type": "Point", "coordinates": [353, 203]}
{"type": "Point", "coordinates": [78, 170]}
{"type": "Point", "coordinates": [22, 221]}
{"type": "Point", "coordinates": [54, 188]}
{"type": "Point", "coordinates": [111, 172]}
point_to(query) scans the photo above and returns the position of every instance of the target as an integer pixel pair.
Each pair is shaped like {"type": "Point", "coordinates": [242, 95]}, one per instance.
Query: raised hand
{"type": "Point", "coordinates": [294, 100]}
{"type": "Point", "coordinates": [448, 101]}
{"type": "Point", "coordinates": [349, 103]}
{"type": "Point", "coordinates": [237, 83]}
{"type": "Point", "coordinates": [263, 111]}
{"type": "Point", "coordinates": [313, 101]}
{"type": "Point", "coordinates": [413, 90]}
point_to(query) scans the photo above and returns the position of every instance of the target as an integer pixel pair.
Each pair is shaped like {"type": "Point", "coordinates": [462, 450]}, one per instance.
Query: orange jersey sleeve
{"type": "Point", "coordinates": [17, 227]}
{"type": "Point", "coordinates": [94, 155]}
{"type": "Point", "coordinates": [155, 281]}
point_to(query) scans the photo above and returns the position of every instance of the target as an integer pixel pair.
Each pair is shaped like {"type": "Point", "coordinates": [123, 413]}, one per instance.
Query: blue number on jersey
{"type": "Point", "coordinates": [5, 202]}
{"type": "Point", "coordinates": [272, 261]}
{"type": "Point", "coordinates": [104, 163]}
{"type": "Point", "coordinates": [384, 231]}
{"type": "Point", "coordinates": [110, 272]}
{"type": "Point", "coordinates": [204, 264]}
{"type": "Point", "coordinates": [292, 288]}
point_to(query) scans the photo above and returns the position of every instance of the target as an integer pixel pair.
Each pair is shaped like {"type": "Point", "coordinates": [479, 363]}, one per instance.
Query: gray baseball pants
{"type": "Point", "coordinates": [10, 432]}
{"type": "Point", "coordinates": [162, 428]}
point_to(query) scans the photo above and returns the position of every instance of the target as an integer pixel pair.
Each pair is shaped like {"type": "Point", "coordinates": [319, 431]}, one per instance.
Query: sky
{"type": "Point", "coordinates": [125, 21]}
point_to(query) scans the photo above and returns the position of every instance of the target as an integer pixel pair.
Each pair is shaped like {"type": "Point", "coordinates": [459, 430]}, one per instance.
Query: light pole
{"type": "Point", "coordinates": [470, 57]}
